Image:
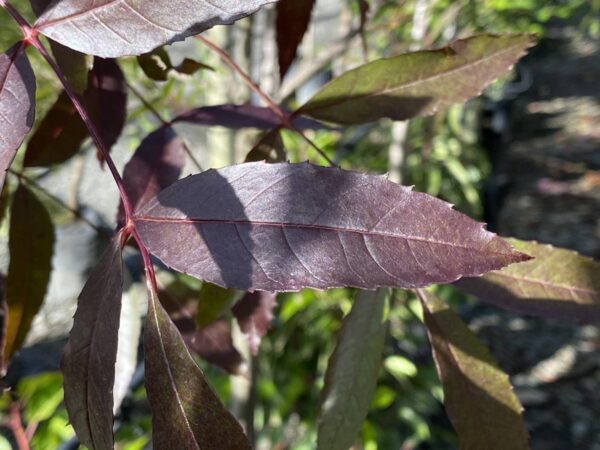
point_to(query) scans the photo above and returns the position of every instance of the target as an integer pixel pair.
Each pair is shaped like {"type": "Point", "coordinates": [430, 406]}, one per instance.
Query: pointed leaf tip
{"type": "Point", "coordinates": [417, 83]}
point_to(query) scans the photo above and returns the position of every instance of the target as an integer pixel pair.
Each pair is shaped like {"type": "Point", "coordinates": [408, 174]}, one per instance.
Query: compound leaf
{"type": "Point", "coordinates": [478, 397]}
{"type": "Point", "coordinates": [558, 283]}
{"type": "Point", "coordinates": [417, 83]}
{"type": "Point", "coordinates": [90, 356]}
{"type": "Point", "coordinates": [284, 227]}
{"type": "Point", "coordinates": [113, 28]}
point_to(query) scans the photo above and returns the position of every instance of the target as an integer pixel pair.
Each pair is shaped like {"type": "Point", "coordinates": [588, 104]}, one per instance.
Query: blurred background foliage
{"type": "Point", "coordinates": [444, 156]}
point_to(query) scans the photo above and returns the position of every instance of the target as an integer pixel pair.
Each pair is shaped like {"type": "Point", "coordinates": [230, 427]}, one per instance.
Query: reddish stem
{"type": "Point", "coordinates": [286, 121]}
{"type": "Point", "coordinates": [16, 426]}
{"type": "Point", "coordinates": [30, 36]}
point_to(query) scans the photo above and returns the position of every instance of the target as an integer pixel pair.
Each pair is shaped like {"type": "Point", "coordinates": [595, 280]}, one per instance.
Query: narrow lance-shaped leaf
{"type": "Point", "coordinates": [417, 83]}
{"type": "Point", "coordinates": [254, 313]}
{"type": "Point", "coordinates": [62, 131]}
{"type": "Point", "coordinates": [293, 19]}
{"type": "Point", "coordinates": [113, 28]}
{"type": "Point", "coordinates": [17, 104]}
{"type": "Point", "coordinates": [157, 65]}
{"type": "Point", "coordinates": [242, 116]}
{"type": "Point", "coordinates": [557, 284]}
{"type": "Point", "coordinates": [352, 372]}
{"type": "Point", "coordinates": [156, 164]}
{"type": "Point", "coordinates": [478, 397]}
{"type": "Point", "coordinates": [284, 227]}
{"type": "Point", "coordinates": [186, 413]}
{"type": "Point", "coordinates": [270, 148]}
{"type": "Point", "coordinates": [89, 360]}
{"type": "Point", "coordinates": [31, 244]}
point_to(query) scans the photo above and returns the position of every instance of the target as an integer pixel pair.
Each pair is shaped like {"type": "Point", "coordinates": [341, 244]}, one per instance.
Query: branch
{"type": "Point", "coordinates": [285, 118]}
{"type": "Point", "coordinates": [16, 426]}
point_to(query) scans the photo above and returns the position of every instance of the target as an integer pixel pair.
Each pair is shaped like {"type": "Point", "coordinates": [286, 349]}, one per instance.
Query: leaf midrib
{"type": "Point", "coordinates": [342, 100]}
{"type": "Point", "coordinates": [316, 227]}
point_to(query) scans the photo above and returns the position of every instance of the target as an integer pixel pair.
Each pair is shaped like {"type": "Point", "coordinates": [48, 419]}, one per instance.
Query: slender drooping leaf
{"type": "Point", "coordinates": [558, 284]}
{"type": "Point", "coordinates": [293, 18]}
{"type": "Point", "coordinates": [284, 227]}
{"type": "Point", "coordinates": [186, 413]}
{"type": "Point", "coordinates": [17, 104]}
{"type": "Point", "coordinates": [352, 372]}
{"type": "Point", "coordinates": [478, 397]}
{"type": "Point", "coordinates": [89, 360]}
{"type": "Point", "coordinates": [113, 28]}
{"type": "Point", "coordinates": [254, 313]}
{"type": "Point", "coordinates": [31, 243]}
{"type": "Point", "coordinates": [418, 83]}
{"type": "Point", "coordinates": [156, 164]}
{"type": "Point", "coordinates": [242, 116]}
{"type": "Point", "coordinates": [61, 133]}
{"type": "Point", "coordinates": [157, 65]}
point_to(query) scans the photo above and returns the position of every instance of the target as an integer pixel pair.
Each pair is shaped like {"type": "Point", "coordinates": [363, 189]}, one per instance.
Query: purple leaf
{"type": "Point", "coordinates": [155, 165]}
{"type": "Point", "coordinates": [31, 243]}
{"type": "Point", "coordinates": [352, 372]}
{"type": "Point", "coordinates": [61, 133]}
{"type": "Point", "coordinates": [89, 360]}
{"type": "Point", "coordinates": [186, 413]}
{"type": "Point", "coordinates": [213, 343]}
{"type": "Point", "coordinates": [557, 284]}
{"type": "Point", "coordinates": [17, 104]}
{"type": "Point", "coordinates": [293, 19]}
{"type": "Point", "coordinates": [254, 313]}
{"type": "Point", "coordinates": [284, 227]}
{"type": "Point", "coordinates": [418, 83]}
{"type": "Point", "coordinates": [113, 28]}
{"type": "Point", "coordinates": [478, 397]}
{"type": "Point", "coordinates": [242, 116]}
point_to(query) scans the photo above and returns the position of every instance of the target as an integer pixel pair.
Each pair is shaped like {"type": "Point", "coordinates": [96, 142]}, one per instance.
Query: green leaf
{"type": "Point", "coordinates": [558, 284]}
{"type": "Point", "coordinates": [213, 302]}
{"type": "Point", "coordinates": [41, 395]}
{"type": "Point", "coordinates": [31, 244]}
{"type": "Point", "coordinates": [400, 367]}
{"type": "Point", "coordinates": [478, 396]}
{"type": "Point", "coordinates": [157, 65]}
{"type": "Point", "coordinates": [352, 371]}
{"type": "Point", "coordinates": [74, 65]}
{"type": "Point", "coordinates": [186, 413]}
{"type": "Point", "coordinates": [418, 83]}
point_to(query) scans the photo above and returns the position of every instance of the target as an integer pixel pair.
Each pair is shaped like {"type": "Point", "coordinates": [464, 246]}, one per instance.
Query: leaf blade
{"type": "Point", "coordinates": [114, 28]}
{"type": "Point", "coordinates": [558, 283]}
{"type": "Point", "coordinates": [31, 245]}
{"type": "Point", "coordinates": [89, 360]}
{"type": "Point", "coordinates": [17, 104]}
{"type": "Point", "coordinates": [293, 19]}
{"type": "Point", "coordinates": [352, 372]}
{"type": "Point", "coordinates": [418, 83]}
{"type": "Point", "coordinates": [478, 395]}
{"type": "Point", "coordinates": [196, 418]}
{"type": "Point", "coordinates": [254, 313]}
{"type": "Point", "coordinates": [281, 227]}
